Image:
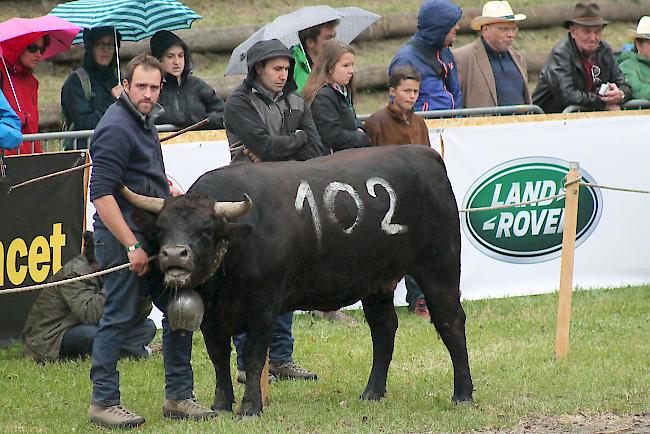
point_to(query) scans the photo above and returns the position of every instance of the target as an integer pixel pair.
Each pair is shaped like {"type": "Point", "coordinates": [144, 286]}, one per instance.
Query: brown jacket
{"type": "Point", "coordinates": [385, 127]}
{"type": "Point", "coordinates": [476, 75]}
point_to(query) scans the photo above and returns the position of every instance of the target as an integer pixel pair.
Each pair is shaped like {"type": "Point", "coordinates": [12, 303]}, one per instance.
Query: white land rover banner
{"type": "Point", "coordinates": [517, 250]}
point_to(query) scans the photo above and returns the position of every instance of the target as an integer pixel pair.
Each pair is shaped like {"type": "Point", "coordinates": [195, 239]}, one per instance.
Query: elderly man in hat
{"type": "Point", "coordinates": [635, 64]}
{"type": "Point", "coordinates": [491, 72]}
{"type": "Point", "coordinates": [581, 69]}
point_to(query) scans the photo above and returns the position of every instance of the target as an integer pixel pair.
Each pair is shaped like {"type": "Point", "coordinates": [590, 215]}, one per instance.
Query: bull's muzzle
{"type": "Point", "coordinates": [177, 262]}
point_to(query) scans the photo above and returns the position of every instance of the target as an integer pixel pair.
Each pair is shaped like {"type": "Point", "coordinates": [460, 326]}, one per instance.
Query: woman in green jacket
{"type": "Point", "coordinates": [635, 64]}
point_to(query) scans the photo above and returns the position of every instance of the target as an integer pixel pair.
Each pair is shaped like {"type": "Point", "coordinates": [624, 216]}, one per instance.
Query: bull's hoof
{"type": "Point", "coordinates": [462, 399]}
{"type": "Point", "coordinates": [249, 410]}
{"type": "Point", "coordinates": [221, 408]}
{"type": "Point", "coordinates": [371, 395]}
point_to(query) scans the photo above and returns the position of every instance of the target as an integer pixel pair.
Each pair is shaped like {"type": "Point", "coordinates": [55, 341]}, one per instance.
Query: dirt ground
{"type": "Point", "coordinates": [580, 424]}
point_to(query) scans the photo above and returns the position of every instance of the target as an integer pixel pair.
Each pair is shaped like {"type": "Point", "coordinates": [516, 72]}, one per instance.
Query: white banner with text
{"type": "Point", "coordinates": [517, 250]}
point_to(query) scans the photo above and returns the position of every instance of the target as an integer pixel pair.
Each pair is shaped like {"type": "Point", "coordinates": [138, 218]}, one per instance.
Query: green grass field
{"type": "Point", "coordinates": [511, 347]}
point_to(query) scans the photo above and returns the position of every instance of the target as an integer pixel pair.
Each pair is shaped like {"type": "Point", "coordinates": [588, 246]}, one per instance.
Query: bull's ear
{"type": "Point", "coordinates": [146, 222]}
{"type": "Point", "coordinates": [236, 232]}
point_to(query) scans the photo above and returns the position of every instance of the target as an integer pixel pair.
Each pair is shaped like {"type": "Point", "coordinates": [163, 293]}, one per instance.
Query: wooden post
{"type": "Point", "coordinates": [264, 381]}
{"type": "Point", "coordinates": [566, 267]}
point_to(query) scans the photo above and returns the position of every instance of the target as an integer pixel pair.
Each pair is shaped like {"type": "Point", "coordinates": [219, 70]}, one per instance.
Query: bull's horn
{"type": "Point", "coordinates": [151, 204]}
{"type": "Point", "coordinates": [233, 209]}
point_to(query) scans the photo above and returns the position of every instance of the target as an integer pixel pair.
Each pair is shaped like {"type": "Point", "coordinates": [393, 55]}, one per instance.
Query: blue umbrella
{"type": "Point", "coordinates": [134, 19]}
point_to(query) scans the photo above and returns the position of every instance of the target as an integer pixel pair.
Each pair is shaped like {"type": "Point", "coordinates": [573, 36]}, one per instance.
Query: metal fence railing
{"type": "Point", "coordinates": [634, 104]}
{"type": "Point", "coordinates": [53, 141]}
{"type": "Point", "coordinates": [477, 112]}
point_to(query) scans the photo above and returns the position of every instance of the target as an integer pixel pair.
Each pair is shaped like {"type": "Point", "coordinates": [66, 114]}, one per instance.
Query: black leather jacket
{"type": "Point", "coordinates": [562, 82]}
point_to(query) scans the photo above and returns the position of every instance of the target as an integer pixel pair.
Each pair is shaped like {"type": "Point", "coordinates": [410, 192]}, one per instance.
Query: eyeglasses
{"type": "Point", "coordinates": [595, 73]}
{"type": "Point", "coordinates": [33, 48]}
{"type": "Point", "coordinates": [104, 46]}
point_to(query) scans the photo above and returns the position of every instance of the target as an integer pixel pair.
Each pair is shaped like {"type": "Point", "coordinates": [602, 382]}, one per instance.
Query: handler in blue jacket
{"type": "Point", "coordinates": [125, 150]}
{"type": "Point", "coordinates": [10, 135]}
{"type": "Point", "coordinates": [429, 53]}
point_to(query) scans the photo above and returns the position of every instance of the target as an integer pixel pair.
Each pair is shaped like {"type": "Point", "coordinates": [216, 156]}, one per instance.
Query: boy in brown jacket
{"type": "Point", "coordinates": [397, 124]}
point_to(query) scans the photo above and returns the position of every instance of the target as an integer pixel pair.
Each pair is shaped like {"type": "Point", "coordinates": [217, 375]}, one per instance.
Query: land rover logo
{"type": "Point", "coordinates": [529, 233]}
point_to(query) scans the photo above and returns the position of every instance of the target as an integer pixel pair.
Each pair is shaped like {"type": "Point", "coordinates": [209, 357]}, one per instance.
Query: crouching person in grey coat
{"type": "Point", "coordinates": [64, 319]}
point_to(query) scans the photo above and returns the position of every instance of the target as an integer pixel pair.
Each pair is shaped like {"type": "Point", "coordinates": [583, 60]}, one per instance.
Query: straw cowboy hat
{"type": "Point", "coordinates": [496, 12]}
{"type": "Point", "coordinates": [586, 14]}
{"type": "Point", "coordinates": [643, 29]}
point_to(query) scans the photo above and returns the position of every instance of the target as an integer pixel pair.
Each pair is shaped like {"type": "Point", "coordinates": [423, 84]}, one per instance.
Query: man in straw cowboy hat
{"type": "Point", "coordinates": [635, 64]}
{"type": "Point", "coordinates": [578, 67]}
{"type": "Point", "coordinates": [491, 72]}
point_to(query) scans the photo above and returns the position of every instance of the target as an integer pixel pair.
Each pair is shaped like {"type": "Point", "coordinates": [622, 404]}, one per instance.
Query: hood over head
{"type": "Point", "coordinates": [435, 19]}
{"type": "Point", "coordinates": [162, 40]}
{"type": "Point", "coordinates": [13, 48]}
{"type": "Point", "coordinates": [264, 50]}
{"type": "Point", "coordinates": [90, 37]}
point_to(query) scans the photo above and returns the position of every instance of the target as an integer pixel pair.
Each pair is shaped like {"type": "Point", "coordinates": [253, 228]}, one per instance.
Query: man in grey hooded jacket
{"type": "Point", "coordinates": [264, 116]}
{"type": "Point", "coordinates": [266, 120]}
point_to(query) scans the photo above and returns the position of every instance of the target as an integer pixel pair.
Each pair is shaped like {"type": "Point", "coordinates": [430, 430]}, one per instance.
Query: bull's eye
{"type": "Point", "coordinates": [206, 233]}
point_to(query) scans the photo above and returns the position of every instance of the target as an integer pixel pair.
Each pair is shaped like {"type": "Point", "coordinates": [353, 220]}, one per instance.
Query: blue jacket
{"type": "Point", "coordinates": [10, 135]}
{"type": "Point", "coordinates": [125, 150]}
{"type": "Point", "coordinates": [435, 19]}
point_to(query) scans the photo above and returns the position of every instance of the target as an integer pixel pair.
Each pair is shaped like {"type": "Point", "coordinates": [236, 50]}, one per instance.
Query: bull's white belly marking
{"type": "Point", "coordinates": [386, 225]}
{"type": "Point", "coordinates": [304, 191]}
{"type": "Point", "coordinates": [329, 198]}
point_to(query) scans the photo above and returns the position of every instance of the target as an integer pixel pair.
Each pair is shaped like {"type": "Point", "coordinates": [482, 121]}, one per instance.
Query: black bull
{"type": "Point", "coordinates": [322, 234]}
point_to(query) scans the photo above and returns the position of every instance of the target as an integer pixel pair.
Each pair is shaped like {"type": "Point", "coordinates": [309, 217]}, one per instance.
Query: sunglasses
{"type": "Point", "coordinates": [33, 48]}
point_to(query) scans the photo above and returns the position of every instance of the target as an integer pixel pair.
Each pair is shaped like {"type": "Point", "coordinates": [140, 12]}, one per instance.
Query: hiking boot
{"type": "Point", "coordinates": [421, 309]}
{"type": "Point", "coordinates": [186, 409]}
{"type": "Point", "coordinates": [241, 377]}
{"type": "Point", "coordinates": [114, 416]}
{"type": "Point", "coordinates": [290, 370]}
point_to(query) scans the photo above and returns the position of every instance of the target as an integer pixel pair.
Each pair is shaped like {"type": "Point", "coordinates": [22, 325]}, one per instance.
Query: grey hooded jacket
{"type": "Point", "coordinates": [265, 124]}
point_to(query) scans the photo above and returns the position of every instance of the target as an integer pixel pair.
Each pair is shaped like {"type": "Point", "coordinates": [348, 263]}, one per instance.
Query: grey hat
{"type": "Point", "coordinates": [586, 14]}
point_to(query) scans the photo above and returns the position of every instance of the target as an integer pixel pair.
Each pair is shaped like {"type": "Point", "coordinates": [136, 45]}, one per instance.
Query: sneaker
{"type": "Point", "coordinates": [290, 370]}
{"type": "Point", "coordinates": [186, 409]}
{"type": "Point", "coordinates": [241, 377]}
{"type": "Point", "coordinates": [335, 316]}
{"type": "Point", "coordinates": [421, 309]}
{"type": "Point", "coordinates": [114, 416]}
{"type": "Point", "coordinates": [153, 348]}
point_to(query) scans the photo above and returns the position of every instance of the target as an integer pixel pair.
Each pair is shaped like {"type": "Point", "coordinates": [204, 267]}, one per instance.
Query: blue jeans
{"type": "Point", "coordinates": [122, 289]}
{"type": "Point", "coordinates": [78, 340]}
{"type": "Point", "coordinates": [281, 348]}
{"type": "Point", "coordinates": [413, 292]}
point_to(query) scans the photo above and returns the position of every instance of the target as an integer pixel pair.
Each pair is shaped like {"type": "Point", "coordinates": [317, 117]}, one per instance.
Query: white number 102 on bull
{"type": "Point", "coordinates": [329, 197]}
